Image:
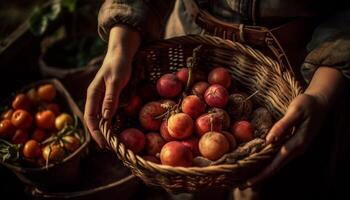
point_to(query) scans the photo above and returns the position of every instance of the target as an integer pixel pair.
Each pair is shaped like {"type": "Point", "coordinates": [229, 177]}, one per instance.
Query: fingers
{"type": "Point", "coordinates": [110, 101]}
{"type": "Point", "coordinates": [291, 118]}
{"type": "Point", "coordinates": [92, 110]}
{"type": "Point", "coordinates": [287, 152]}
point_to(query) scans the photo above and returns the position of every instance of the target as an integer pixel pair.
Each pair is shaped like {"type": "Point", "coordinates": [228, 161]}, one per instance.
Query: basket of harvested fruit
{"type": "Point", "coordinates": [42, 135]}
{"type": "Point", "coordinates": [199, 113]}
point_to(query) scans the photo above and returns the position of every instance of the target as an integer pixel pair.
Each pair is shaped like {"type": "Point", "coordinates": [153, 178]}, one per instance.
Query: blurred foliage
{"type": "Point", "coordinates": [79, 42]}
{"type": "Point", "coordinates": [47, 12]}
{"type": "Point", "coordinates": [72, 52]}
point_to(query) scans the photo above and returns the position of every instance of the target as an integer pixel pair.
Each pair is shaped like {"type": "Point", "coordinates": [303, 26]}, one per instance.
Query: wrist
{"type": "Point", "coordinates": [321, 100]}
{"type": "Point", "coordinates": [123, 41]}
{"type": "Point", "coordinates": [326, 86]}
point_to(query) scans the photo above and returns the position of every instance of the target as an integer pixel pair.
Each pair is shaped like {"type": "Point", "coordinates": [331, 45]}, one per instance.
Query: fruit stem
{"type": "Point", "coordinates": [252, 95]}
{"type": "Point", "coordinates": [192, 62]}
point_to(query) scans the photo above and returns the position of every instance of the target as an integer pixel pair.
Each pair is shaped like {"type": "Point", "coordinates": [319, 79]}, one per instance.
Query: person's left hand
{"type": "Point", "coordinates": [305, 114]}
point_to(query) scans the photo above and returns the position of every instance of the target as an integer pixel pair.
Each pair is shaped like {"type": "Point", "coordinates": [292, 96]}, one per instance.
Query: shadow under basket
{"type": "Point", "coordinates": [102, 176]}
{"type": "Point", "coordinates": [276, 86]}
{"type": "Point", "coordinates": [62, 173]}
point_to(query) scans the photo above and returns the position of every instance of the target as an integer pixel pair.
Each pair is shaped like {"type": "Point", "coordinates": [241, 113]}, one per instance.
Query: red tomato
{"type": "Point", "coordinates": [7, 114]}
{"type": "Point", "coordinates": [21, 119]}
{"type": "Point", "coordinates": [33, 95]}
{"type": "Point", "coordinates": [21, 101]}
{"type": "Point", "coordinates": [45, 119]}
{"type": "Point", "coordinates": [20, 136]}
{"type": "Point", "coordinates": [53, 153]}
{"type": "Point", "coordinates": [39, 135]}
{"type": "Point", "coordinates": [47, 92]}
{"type": "Point", "coordinates": [54, 108]}
{"type": "Point", "coordinates": [6, 128]}
{"type": "Point", "coordinates": [31, 149]}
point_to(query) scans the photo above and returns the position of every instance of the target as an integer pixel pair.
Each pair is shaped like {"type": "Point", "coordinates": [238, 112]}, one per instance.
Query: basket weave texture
{"type": "Point", "coordinates": [276, 88]}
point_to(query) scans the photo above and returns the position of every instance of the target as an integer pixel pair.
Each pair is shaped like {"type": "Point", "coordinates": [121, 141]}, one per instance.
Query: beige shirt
{"type": "Point", "coordinates": [158, 19]}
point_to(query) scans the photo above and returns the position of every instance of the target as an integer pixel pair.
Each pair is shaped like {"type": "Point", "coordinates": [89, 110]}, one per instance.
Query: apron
{"type": "Point", "coordinates": [189, 18]}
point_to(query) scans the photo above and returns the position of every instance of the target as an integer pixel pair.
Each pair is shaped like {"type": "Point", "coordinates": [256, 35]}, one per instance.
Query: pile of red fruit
{"type": "Point", "coordinates": [203, 116]}
{"type": "Point", "coordinates": [36, 128]}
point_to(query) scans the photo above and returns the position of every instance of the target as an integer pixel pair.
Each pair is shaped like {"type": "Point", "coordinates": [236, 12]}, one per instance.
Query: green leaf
{"type": "Point", "coordinates": [53, 11]}
{"type": "Point", "coordinates": [38, 23]}
{"type": "Point", "coordinates": [40, 18]}
{"type": "Point", "coordinates": [70, 5]}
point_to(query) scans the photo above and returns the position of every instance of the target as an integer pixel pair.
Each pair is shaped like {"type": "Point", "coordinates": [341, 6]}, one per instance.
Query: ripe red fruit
{"type": "Point", "coordinates": [31, 149]}
{"type": "Point", "coordinates": [208, 122]}
{"type": "Point", "coordinates": [6, 129]}
{"type": "Point", "coordinates": [21, 119]}
{"type": "Point", "coordinates": [169, 86]}
{"type": "Point", "coordinates": [133, 139]}
{"type": "Point", "coordinates": [243, 131]}
{"type": "Point", "coordinates": [54, 108]}
{"type": "Point", "coordinates": [176, 154]}
{"type": "Point", "coordinates": [180, 126]}
{"type": "Point", "coordinates": [213, 145]}
{"type": "Point", "coordinates": [193, 106]}
{"type": "Point", "coordinates": [182, 75]}
{"type": "Point", "coordinates": [154, 143]}
{"type": "Point", "coordinates": [133, 106]}
{"type": "Point", "coordinates": [149, 116]}
{"type": "Point", "coordinates": [220, 76]}
{"type": "Point", "coordinates": [192, 144]}
{"type": "Point", "coordinates": [199, 88]}
{"type": "Point", "coordinates": [231, 140]}
{"type": "Point", "coordinates": [39, 135]}
{"type": "Point", "coordinates": [21, 101]}
{"type": "Point", "coordinates": [224, 117]}
{"type": "Point", "coordinates": [165, 133]}
{"type": "Point", "coordinates": [45, 119]}
{"type": "Point", "coordinates": [20, 136]}
{"type": "Point", "coordinates": [7, 114]}
{"type": "Point", "coordinates": [216, 96]}
{"type": "Point", "coordinates": [47, 92]}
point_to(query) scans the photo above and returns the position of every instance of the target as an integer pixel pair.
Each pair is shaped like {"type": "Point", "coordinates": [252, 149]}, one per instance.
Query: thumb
{"type": "Point", "coordinates": [284, 125]}
{"type": "Point", "coordinates": [110, 101]}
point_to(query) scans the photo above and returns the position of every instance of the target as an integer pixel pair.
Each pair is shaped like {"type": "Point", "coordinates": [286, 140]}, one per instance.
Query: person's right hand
{"type": "Point", "coordinates": [103, 92]}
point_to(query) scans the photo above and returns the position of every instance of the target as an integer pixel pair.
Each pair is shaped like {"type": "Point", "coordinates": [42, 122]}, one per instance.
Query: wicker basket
{"type": "Point", "coordinates": [255, 71]}
{"type": "Point", "coordinates": [60, 174]}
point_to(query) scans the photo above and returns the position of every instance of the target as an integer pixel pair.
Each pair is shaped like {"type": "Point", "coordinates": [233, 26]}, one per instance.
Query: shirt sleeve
{"type": "Point", "coordinates": [329, 46]}
{"type": "Point", "coordinates": [146, 16]}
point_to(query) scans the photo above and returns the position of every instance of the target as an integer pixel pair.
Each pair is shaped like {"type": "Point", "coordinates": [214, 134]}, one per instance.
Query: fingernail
{"type": "Point", "coordinates": [271, 139]}
{"type": "Point", "coordinates": [107, 114]}
{"type": "Point", "coordinates": [249, 184]}
{"type": "Point", "coordinates": [268, 139]}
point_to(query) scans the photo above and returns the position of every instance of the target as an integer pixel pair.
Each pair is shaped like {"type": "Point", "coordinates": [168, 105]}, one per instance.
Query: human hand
{"type": "Point", "coordinates": [103, 92]}
{"type": "Point", "coordinates": [305, 115]}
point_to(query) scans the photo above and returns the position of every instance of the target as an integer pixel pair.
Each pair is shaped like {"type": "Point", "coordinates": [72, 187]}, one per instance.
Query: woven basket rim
{"type": "Point", "coordinates": [195, 170]}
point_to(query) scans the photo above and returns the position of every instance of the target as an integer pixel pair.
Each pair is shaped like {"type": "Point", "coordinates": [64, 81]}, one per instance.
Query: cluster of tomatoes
{"type": "Point", "coordinates": [36, 128]}
{"type": "Point", "coordinates": [193, 114]}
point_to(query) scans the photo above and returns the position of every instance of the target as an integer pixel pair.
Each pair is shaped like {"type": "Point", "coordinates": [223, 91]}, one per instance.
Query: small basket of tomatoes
{"type": "Point", "coordinates": [42, 134]}
{"type": "Point", "coordinates": [198, 112]}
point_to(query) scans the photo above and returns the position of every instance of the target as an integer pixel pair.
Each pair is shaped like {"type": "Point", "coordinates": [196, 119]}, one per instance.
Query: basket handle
{"type": "Point", "coordinates": [251, 35]}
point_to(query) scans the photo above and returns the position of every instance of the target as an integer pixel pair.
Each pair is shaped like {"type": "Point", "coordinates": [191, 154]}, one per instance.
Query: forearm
{"type": "Point", "coordinates": [326, 84]}
{"type": "Point", "coordinates": [123, 41]}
